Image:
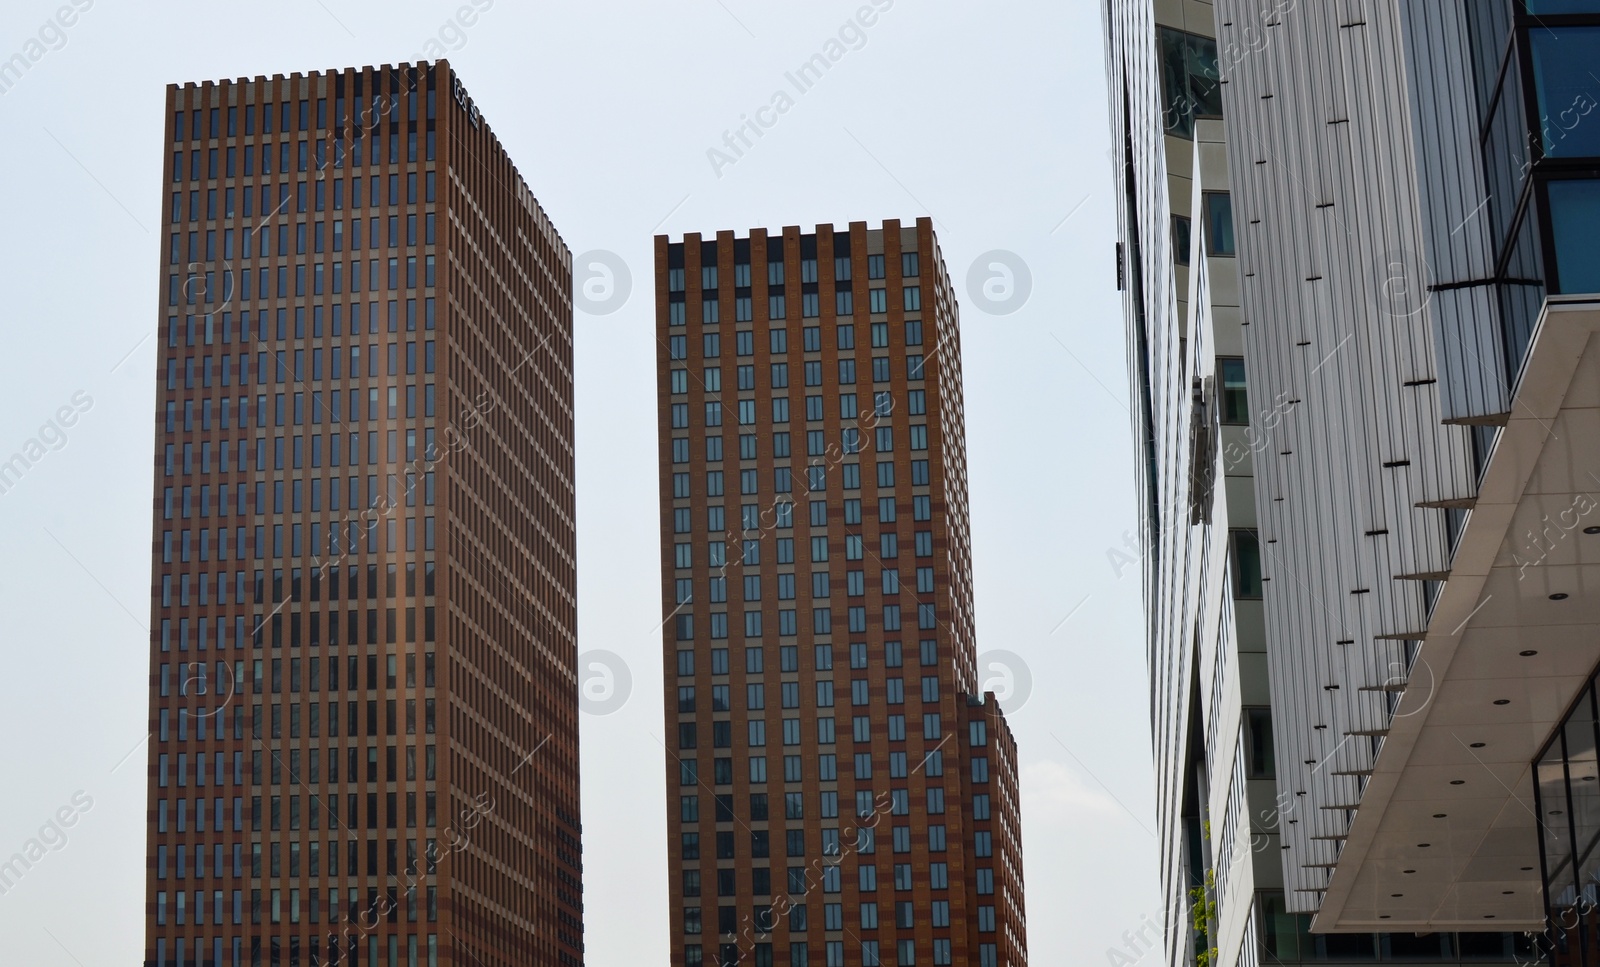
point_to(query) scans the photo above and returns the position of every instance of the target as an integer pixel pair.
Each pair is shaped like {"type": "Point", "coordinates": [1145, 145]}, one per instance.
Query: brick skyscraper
{"type": "Point", "coordinates": [838, 793]}
{"type": "Point", "coordinates": [362, 694]}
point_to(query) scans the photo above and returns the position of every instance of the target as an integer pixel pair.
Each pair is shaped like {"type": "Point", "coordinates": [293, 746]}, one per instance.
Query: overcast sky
{"type": "Point", "coordinates": [988, 117]}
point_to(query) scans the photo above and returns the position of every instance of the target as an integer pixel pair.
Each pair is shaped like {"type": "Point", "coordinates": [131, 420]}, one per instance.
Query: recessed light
{"type": "Point", "coordinates": [1397, 895]}
{"type": "Point", "coordinates": [1525, 869]}
{"type": "Point", "coordinates": [1488, 916]}
{"type": "Point", "coordinates": [1591, 530]}
{"type": "Point", "coordinates": [1527, 654]}
{"type": "Point", "coordinates": [1559, 596]}
{"type": "Point", "coordinates": [1458, 782]}
{"type": "Point", "coordinates": [1478, 745]}
{"type": "Point", "coordinates": [1408, 871]}
{"type": "Point", "coordinates": [1439, 815]}
{"type": "Point", "coordinates": [1555, 812]}
{"type": "Point", "coordinates": [1424, 845]}
{"type": "Point", "coordinates": [1311, 762]}
{"type": "Point", "coordinates": [1502, 701]}
{"type": "Point", "coordinates": [1383, 916]}
{"type": "Point", "coordinates": [1508, 892]}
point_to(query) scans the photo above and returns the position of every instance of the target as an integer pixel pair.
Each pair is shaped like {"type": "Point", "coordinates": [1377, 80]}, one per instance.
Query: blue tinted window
{"type": "Point", "coordinates": [1564, 6]}
{"type": "Point", "coordinates": [1219, 223]}
{"type": "Point", "coordinates": [1569, 93]}
{"type": "Point", "coordinates": [1574, 211]}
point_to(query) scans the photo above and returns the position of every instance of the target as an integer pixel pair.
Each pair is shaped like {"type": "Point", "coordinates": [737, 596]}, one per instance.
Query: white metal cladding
{"type": "Point", "coordinates": [1457, 258]}
{"type": "Point", "coordinates": [1341, 369]}
{"type": "Point", "coordinates": [1172, 561]}
{"type": "Point", "coordinates": [1192, 644]}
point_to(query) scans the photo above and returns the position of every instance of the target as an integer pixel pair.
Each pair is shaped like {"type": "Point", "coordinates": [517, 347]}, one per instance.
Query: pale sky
{"type": "Point", "coordinates": [988, 117]}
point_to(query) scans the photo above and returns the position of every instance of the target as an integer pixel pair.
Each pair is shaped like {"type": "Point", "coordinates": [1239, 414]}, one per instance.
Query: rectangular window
{"type": "Point", "coordinates": [1235, 400]}
{"type": "Point", "coordinates": [1180, 240]}
{"type": "Point", "coordinates": [1246, 561]}
{"type": "Point", "coordinates": [1219, 224]}
{"type": "Point", "coordinates": [1190, 81]}
{"type": "Point", "coordinates": [1259, 762]}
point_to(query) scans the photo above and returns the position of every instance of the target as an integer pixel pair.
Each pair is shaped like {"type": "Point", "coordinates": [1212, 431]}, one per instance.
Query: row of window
{"type": "Point", "coordinates": [881, 440]}
{"type": "Point", "coordinates": [274, 866]}
{"type": "Point", "coordinates": [855, 587]}
{"type": "Point", "coordinates": [297, 409]}
{"type": "Point", "coordinates": [296, 775]}
{"type": "Point", "coordinates": [346, 537]}
{"type": "Point", "coordinates": [318, 194]}
{"type": "Point", "coordinates": [284, 907]}
{"type": "Point", "coordinates": [264, 284]}
{"type": "Point", "coordinates": [711, 382]}
{"type": "Point", "coordinates": [789, 658]}
{"type": "Point", "coordinates": [828, 801]}
{"type": "Point", "coordinates": [297, 114]}
{"type": "Point", "coordinates": [782, 517]}
{"type": "Point", "coordinates": [306, 452]}
{"type": "Point", "coordinates": [298, 588]}
{"type": "Point", "coordinates": [318, 806]}
{"type": "Point", "coordinates": [210, 164]}
{"type": "Point", "coordinates": [938, 878]}
{"type": "Point", "coordinates": [232, 680]}
{"type": "Point", "coordinates": [211, 328]}
{"type": "Point", "coordinates": [821, 619]}
{"type": "Point", "coordinates": [763, 919]}
{"type": "Point", "coordinates": [794, 842]}
{"type": "Point", "coordinates": [756, 699]}
{"type": "Point", "coordinates": [314, 238]}
{"type": "Point", "coordinates": [816, 480]}
{"type": "Point", "coordinates": [188, 501]}
{"type": "Point", "coordinates": [231, 953]}
{"type": "Point", "coordinates": [750, 556]}
{"type": "Point", "coordinates": [844, 304]}
{"type": "Point", "coordinates": [793, 770]}
{"type": "Point", "coordinates": [314, 721]}
{"type": "Point", "coordinates": [760, 954]}
{"type": "Point", "coordinates": [910, 267]}
{"type": "Point", "coordinates": [1218, 209]}
{"type": "Point", "coordinates": [181, 632]}
{"type": "Point", "coordinates": [711, 348]}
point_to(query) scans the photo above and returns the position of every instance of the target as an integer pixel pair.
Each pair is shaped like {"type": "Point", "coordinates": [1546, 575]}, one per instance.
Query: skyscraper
{"type": "Point", "coordinates": [363, 699]}
{"type": "Point", "coordinates": [838, 790]}
{"type": "Point", "coordinates": [1406, 293]}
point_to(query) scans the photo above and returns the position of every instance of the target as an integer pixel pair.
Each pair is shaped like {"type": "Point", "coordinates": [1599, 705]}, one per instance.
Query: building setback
{"type": "Point", "coordinates": [363, 702]}
{"type": "Point", "coordinates": [838, 790]}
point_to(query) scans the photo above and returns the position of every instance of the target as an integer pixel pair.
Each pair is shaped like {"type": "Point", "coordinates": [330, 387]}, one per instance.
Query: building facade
{"type": "Point", "coordinates": [1211, 720]}
{"type": "Point", "coordinates": [846, 797]}
{"type": "Point", "coordinates": [1411, 178]}
{"type": "Point", "coordinates": [1381, 278]}
{"type": "Point", "coordinates": [363, 700]}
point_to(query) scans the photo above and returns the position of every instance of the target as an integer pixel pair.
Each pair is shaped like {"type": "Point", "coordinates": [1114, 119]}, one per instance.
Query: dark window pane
{"type": "Point", "coordinates": [1258, 723]}
{"type": "Point", "coordinates": [1219, 223]}
{"type": "Point", "coordinates": [1564, 6]}
{"type": "Point", "coordinates": [1246, 565]}
{"type": "Point", "coordinates": [1189, 80]}
{"type": "Point", "coordinates": [1574, 211]}
{"type": "Point", "coordinates": [1235, 395]}
{"type": "Point", "coordinates": [1285, 936]}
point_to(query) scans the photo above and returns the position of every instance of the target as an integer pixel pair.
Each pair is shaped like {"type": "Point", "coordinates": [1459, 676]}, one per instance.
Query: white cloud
{"type": "Point", "coordinates": [1055, 792]}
